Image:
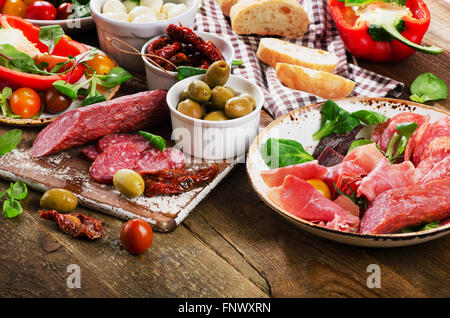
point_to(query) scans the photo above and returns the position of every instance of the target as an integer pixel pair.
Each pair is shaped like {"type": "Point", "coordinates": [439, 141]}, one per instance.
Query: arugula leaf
{"type": "Point", "coordinates": [10, 140]}
{"type": "Point", "coordinates": [284, 152]}
{"type": "Point", "coordinates": [14, 59]}
{"type": "Point", "coordinates": [369, 117]}
{"type": "Point", "coordinates": [428, 86]}
{"type": "Point", "coordinates": [358, 143]}
{"type": "Point", "coordinates": [335, 120]}
{"type": "Point", "coordinates": [50, 36]}
{"type": "Point", "coordinates": [155, 140]}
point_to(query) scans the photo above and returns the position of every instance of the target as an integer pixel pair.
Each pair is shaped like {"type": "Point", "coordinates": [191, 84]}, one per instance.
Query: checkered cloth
{"type": "Point", "coordinates": [322, 34]}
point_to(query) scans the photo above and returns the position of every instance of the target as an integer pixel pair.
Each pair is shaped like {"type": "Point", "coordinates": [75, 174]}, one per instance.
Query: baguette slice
{"type": "Point", "coordinates": [322, 84]}
{"type": "Point", "coordinates": [272, 51]}
{"type": "Point", "coordinates": [269, 17]}
{"type": "Point", "coordinates": [226, 5]}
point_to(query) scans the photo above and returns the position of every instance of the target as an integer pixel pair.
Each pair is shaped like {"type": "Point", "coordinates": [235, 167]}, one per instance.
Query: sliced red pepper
{"type": "Point", "coordinates": [360, 43]}
{"type": "Point", "coordinates": [63, 48]}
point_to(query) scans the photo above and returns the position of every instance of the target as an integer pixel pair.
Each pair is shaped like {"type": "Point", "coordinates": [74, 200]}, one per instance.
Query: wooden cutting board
{"type": "Point", "coordinates": [70, 170]}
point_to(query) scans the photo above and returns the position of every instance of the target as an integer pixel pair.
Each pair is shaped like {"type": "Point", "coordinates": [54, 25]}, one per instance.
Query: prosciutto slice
{"type": "Point", "coordinates": [399, 208]}
{"type": "Point", "coordinates": [385, 177]}
{"type": "Point", "coordinates": [305, 171]}
{"type": "Point", "coordinates": [299, 198]}
{"type": "Point", "coordinates": [432, 169]}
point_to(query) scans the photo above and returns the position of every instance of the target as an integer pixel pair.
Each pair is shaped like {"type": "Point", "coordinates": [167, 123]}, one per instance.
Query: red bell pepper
{"type": "Point", "coordinates": [387, 40]}
{"type": "Point", "coordinates": [63, 48]}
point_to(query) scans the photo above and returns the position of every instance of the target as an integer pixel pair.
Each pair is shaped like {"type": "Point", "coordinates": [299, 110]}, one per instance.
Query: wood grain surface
{"type": "Point", "coordinates": [232, 245]}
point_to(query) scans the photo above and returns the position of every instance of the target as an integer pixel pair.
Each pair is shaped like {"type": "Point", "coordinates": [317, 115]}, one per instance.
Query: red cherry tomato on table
{"type": "Point", "coordinates": [136, 236]}
{"type": "Point", "coordinates": [25, 102]}
{"type": "Point", "coordinates": [41, 10]}
{"type": "Point", "coordinates": [64, 10]}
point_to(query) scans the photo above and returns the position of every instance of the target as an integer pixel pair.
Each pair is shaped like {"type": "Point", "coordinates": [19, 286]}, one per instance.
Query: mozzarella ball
{"type": "Point", "coordinates": [113, 6]}
{"type": "Point", "coordinates": [176, 11]}
{"type": "Point", "coordinates": [121, 16]}
{"type": "Point", "coordinates": [155, 5]}
{"type": "Point", "coordinates": [139, 10]}
{"type": "Point", "coordinates": [145, 18]}
{"type": "Point", "coordinates": [166, 8]}
{"type": "Point", "coordinates": [129, 5]}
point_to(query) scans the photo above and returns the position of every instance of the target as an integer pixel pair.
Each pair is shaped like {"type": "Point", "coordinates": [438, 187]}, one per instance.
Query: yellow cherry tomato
{"type": "Point", "coordinates": [14, 7]}
{"type": "Point", "coordinates": [101, 64]}
{"type": "Point", "coordinates": [320, 186]}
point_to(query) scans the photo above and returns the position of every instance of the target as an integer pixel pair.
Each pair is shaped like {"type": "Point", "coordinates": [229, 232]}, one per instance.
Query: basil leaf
{"type": "Point", "coordinates": [12, 208]}
{"type": "Point", "coordinates": [358, 143]}
{"type": "Point", "coordinates": [66, 88]}
{"type": "Point", "coordinates": [115, 77]}
{"type": "Point", "coordinates": [10, 140]}
{"type": "Point", "coordinates": [155, 140]}
{"type": "Point", "coordinates": [19, 190]}
{"type": "Point", "coordinates": [369, 117]}
{"type": "Point", "coordinates": [188, 71]}
{"type": "Point", "coordinates": [427, 87]}
{"type": "Point", "coordinates": [284, 152]}
{"type": "Point", "coordinates": [50, 36]}
{"type": "Point", "coordinates": [93, 100]}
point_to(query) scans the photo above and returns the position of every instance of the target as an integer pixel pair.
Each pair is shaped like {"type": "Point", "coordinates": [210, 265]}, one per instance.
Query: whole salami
{"type": "Point", "coordinates": [77, 127]}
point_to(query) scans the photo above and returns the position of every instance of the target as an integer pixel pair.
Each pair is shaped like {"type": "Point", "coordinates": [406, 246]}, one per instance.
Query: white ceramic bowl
{"type": "Point", "coordinates": [70, 26]}
{"type": "Point", "coordinates": [135, 34]}
{"type": "Point", "coordinates": [157, 78]}
{"type": "Point", "coordinates": [215, 139]}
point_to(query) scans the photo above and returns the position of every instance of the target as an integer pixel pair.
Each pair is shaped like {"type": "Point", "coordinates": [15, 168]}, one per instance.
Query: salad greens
{"type": "Point", "coordinates": [369, 117]}
{"type": "Point", "coordinates": [358, 143]}
{"type": "Point", "coordinates": [284, 152]}
{"type": "Point", "coordinates": [50, 36]}
{"type": "Point", "coordinates": [11, 206]}
{"type": "Point", "coordinates": [422, 227]}
{"type": "Point", "coordinates": [428, 86]}
{"type": "Point", "coordinates": [10, 140]}
{"type": "Point", "coordinates": [399, 140]}
{"type": "Point", "coordinates": [362, 202]}
{"type": "Point", "coordinates": [155, 140]}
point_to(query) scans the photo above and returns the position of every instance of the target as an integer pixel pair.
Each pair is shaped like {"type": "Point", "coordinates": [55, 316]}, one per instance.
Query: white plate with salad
{"type": "Point", "coordinates": [362, 171]}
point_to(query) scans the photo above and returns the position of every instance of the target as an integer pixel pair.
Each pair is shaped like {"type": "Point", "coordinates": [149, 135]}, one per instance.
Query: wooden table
{"type": "Point", "coordinates": [232, 245]}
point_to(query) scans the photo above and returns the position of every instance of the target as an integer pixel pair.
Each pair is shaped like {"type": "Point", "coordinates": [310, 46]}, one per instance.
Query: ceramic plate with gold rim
{"type": "Point", "coordinates": [47, 118]}
{"type": "Point", "coordinates": [300, 125]}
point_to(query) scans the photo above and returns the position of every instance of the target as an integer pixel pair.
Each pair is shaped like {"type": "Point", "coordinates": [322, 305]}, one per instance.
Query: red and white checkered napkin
{"type": "Point", "coordinates": [322, 34]}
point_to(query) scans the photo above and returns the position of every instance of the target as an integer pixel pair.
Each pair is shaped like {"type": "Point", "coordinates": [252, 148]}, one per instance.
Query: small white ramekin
{"type": "Point", "coordinates": [135, 34]}
{"type": "Point", "coordinates": [215, 140]}
{"type": "Point", "coordinates": [157, 78]}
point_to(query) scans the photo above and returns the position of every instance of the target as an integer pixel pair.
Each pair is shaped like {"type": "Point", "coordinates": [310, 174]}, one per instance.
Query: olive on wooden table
{"type": "Point", "coordinates": [251, 98]}
{"type": "Point", "coordinates": [190, 108]}
{"type": "Point", "coordinates": [61, 200]}
{"type": "Point", "coordinates": [129, 183]}
{"type": "Point", "coordinates": [238, 106]}
{"type": "Point", "coordinates": [217, 74]}
{"type": "Point", "coordinates": [217, 115]}
{"type": "Point", "coordinates": [199, 91]}
{"type": "Point", "coordinates": [220, 95]}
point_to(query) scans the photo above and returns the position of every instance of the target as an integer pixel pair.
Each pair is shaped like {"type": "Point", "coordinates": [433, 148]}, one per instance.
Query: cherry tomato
{"type": "Point", "coordinates": [41, 10]}
{"type": "Point", "coordinates": [320, 186]}
{"type": "Point", "coordinates": [25, 102]}
{"type": "Point", "coordinates": [64, 10]}
{"type": "Point", "coordinates": [14, 7]}
{"type": "Point", "coordinates": [136, 236]}
{"type": "Point", "coordinates": [101, 64]}
{"type": "Point", "coordinates": [2, 2]}
{"type": "Point", "coordinates": [55, 102]}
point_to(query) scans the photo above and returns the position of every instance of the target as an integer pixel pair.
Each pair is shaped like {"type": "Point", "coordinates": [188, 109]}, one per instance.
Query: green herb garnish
{"type": "Point", "coordinates": [10, 140]}
{"type": "Point", "coordinates": [359, 143]}
{"type": "Point", "coordinates": [369, 117]}
{"type": "Point", "coordinates": [11, 206]}
{"type": "Point", "coordinates": [399, 140]}
{"type": "Point", "coordinates": [50, 36]}
{"type": "Point", "coordinates": [427, 87]}
{"type": "Point", "coordinates": [284, 152]}
{"type": "Point", "coordinates": [155, 140]}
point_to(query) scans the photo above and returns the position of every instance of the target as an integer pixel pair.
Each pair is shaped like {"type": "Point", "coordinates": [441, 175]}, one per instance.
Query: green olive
{"type": "Point", "coordinates": [251, 98]}
{"type": "Point", "coordinates": [190, 108]}
{"type": "Point", "coordinates": [231, 89]}
{"type": "Point", "coordinates": [217, 74]}
{"type": "Point", "coordinates": [184, 94]}
{"type": "Point", "coordinates": [199, 91]}
{"type": "Point", "coordinates": [217, 115]}
{"type": "Point", "coordinates": [61, 200]}
{"type": "Point", "coordinates": [220, 95]}
{"type": "Point", "coordinates": [238, 107]}
{"type": "Point", "coordinates": [129, 183]}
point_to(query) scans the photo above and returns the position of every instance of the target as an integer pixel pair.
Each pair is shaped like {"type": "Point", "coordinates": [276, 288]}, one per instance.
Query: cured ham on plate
{"type": "Point", "coordinates": [366, 173]}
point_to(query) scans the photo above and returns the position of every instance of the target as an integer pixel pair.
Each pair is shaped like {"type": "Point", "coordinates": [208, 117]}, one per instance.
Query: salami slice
{"type": "Point", "coordinates": [91, 152]}
{"type": "Point", "coordinates": [121, 156]}
{"type": "Point", "coordinates": [79, 126]}
{"type": "Point", "coordinates": [154, 160]}
{"type": "Point", "coordinates": [139, 141]}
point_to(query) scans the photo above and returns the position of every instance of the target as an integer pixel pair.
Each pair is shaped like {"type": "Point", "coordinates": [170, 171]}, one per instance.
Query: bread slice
{"type": "Point", "coordinates": [269, 17]}
{"type": "Point", "coordinates": [322, 84]}
{"type": "Point", "coordinates": [226, 5]}
{"type": "Point", "coordinates": [272, 51]}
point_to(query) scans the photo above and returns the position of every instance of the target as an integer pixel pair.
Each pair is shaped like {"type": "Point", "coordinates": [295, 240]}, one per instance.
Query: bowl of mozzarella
{"type": "Point", "coordinates": [122, 25]}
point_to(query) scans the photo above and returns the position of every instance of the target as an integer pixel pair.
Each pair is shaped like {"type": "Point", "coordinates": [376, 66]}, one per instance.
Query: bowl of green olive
{"type": "Point", "coordinates": [215, 115]}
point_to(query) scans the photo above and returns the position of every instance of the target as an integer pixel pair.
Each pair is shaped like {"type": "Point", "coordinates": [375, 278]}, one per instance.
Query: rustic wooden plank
{"type": "Point", "coordinates": [33, 264]}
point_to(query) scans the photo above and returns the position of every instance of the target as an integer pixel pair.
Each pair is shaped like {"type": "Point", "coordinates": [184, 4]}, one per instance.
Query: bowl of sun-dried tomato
{"type": "Point", "coordinates": [180, 46]}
